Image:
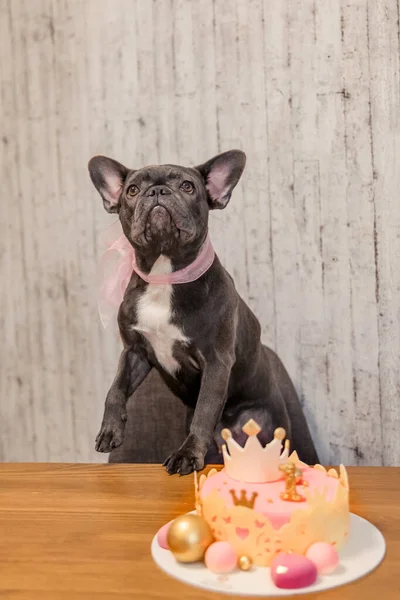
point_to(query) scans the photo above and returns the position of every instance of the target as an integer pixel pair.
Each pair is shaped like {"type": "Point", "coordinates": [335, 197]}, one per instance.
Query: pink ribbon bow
{"type": "Point", "coordinates": [119, 261]}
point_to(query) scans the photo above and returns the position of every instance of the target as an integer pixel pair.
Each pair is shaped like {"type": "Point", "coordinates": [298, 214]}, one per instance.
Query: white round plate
{"type": "Point", "coordinates": [362, 553]}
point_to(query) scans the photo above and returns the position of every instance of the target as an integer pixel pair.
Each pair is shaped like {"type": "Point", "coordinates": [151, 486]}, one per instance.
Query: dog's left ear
{"type": "Point", "coordinates": [108, 177]}
{"type": "Point", "coordinates": [220, 175]}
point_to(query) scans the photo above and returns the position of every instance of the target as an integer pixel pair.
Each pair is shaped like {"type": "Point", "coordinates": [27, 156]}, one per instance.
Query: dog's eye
{"type": "Point", "coordinates": [132, 190]}
{"type": "Point", "coordinates": [187, 187]}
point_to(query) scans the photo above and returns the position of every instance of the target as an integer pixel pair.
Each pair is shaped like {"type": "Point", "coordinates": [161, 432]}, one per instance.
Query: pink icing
{"type": "Point", "coordinates": [278, 511]}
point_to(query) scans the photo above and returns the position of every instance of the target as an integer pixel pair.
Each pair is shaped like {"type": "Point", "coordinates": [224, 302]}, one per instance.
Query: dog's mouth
{"type": "Point", "coordinates": [160, 224]}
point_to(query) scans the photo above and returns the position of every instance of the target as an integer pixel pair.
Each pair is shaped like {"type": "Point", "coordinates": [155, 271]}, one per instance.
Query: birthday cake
{"type": "Point", "coordinates": [268, 509]}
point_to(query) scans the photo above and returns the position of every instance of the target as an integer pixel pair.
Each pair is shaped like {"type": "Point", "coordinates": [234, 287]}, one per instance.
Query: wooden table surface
{"type": "Point", "coordinates": [82, 532]}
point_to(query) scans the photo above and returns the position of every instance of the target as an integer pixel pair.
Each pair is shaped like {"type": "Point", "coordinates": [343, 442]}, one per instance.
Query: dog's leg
{"type": "Point", "coordinates": [209, 407]}
{"type": "Point", "coordinates": [132, 370]}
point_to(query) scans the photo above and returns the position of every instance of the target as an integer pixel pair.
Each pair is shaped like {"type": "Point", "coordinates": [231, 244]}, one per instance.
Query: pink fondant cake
{"type": "Point", "coordinates": [268, 509]}
{"type": "Point", "coordinates": [248, 505]}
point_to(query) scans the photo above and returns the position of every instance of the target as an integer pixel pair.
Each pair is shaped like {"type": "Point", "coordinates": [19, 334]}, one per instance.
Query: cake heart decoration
{"type": "Point", "coordinates": [242, 532]}
{"type": "Point", "coordinates": [292, 571]}
{"type": "Point", "coordinates": [259, 524]}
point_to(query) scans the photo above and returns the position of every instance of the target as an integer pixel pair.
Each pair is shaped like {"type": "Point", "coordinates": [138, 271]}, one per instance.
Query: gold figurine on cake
{"type": "Point", "coordinates": [291, 479]}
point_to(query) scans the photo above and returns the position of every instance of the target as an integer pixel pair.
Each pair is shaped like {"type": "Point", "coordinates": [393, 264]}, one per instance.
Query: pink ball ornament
{"type": "Point", "coordinates": [220, 557]}
{"type": "Point", "coordinates": [324, 556]}
{"type": "Point", "coordinates": [292, 571]}
{"type": "Point", "coordinates": [162, 536]}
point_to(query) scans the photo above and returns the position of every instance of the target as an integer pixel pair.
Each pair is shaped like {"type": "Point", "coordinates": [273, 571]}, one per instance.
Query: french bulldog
{"type": "Point", "coordinates": [200, 335]}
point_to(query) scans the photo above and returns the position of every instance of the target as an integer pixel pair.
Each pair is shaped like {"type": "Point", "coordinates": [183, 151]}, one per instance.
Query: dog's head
{"type": "Point", "coordinates": [163, 208]}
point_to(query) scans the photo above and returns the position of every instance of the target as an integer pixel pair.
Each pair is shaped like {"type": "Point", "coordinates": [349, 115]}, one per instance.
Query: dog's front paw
{"type": "Point", "coordinates": [111, 434]}
{"type": "Point", "coordinates": [189, 457]}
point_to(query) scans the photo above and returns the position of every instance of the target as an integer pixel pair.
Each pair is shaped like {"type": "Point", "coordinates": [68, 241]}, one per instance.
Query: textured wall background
{"type": "Point", "coordinates": [310, 90]}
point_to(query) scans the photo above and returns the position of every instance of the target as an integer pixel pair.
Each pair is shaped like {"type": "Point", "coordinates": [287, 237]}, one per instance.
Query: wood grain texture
{"type": "Point", "coordinates": [310, 90]}
{"type": "Point", "coordinates": [74, 531]}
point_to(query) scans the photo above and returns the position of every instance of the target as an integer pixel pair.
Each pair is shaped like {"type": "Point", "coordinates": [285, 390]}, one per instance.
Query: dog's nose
{"type": "Point", "coordinates": [159, 190]}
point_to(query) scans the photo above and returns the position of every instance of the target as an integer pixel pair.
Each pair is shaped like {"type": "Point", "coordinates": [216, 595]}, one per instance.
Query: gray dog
{"type": "Point", "coordinates": [201, 336]}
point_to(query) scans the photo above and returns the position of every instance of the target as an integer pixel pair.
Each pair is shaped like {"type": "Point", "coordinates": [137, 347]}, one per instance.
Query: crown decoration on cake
{"type": "Point", "coordinates": [242, 500]}
{"type": "Point", "coordinates": [254, 463]}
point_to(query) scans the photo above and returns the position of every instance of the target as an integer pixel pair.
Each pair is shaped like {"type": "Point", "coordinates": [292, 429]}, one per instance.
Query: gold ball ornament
{"type": "Point", "coordinates": [189, 537]}
{"type": "Point", "coordinates": [245, 563]}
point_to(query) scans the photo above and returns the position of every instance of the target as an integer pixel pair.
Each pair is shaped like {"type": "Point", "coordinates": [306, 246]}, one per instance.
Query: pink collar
{"type": "Point", "coordinates": [119, 261]}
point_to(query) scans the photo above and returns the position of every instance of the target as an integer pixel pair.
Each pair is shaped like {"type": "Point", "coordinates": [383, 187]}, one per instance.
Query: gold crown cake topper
{"type": "Point", "coordinates": [254, 463]}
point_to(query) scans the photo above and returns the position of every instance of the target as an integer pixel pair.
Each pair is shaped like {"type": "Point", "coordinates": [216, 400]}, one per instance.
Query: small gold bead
{"type": "Point", "coordinates": [279, 433]}
{"type": "Point", "coordinates": [245, 563]}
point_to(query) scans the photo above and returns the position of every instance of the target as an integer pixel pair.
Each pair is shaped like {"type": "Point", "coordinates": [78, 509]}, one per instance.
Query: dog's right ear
{"type": "Point", "coordinates": [108, 177]}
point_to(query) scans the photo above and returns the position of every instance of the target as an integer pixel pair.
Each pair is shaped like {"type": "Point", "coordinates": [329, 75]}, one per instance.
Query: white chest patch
{"type": "Point", "coordinates": [154, 318]}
